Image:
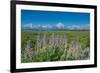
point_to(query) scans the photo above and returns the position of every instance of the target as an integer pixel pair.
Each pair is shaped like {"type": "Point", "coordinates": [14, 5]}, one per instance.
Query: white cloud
{"type": "Point", "coordinates": [36, 26]}
{"type": "Point", "coordinates": [60, 25]}
{"type": "Point", "coordinates": [86, 26]}
{"type": "Point", "coordinates": [50, 26]}
{"type": "Point", "coordinates": [27, 25]}
{"type": "Point", "coordinates": [44, 26]}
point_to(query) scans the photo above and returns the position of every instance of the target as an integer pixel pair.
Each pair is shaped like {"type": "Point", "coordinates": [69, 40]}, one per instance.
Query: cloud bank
{"type": "Point", "coordinates": [55, 26]}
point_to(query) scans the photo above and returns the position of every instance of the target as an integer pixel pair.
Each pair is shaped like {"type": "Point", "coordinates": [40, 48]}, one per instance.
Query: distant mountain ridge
{"type": "Point", "coordinates": [59, 26]}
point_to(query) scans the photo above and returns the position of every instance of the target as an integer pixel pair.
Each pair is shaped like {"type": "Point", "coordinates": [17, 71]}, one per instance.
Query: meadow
{"type": "Point", "coordinates": [54, 45]}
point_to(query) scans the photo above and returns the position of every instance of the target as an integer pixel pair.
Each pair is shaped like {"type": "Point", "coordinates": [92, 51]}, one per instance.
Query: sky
{"type": "Point", "coordinates": [54, 17]}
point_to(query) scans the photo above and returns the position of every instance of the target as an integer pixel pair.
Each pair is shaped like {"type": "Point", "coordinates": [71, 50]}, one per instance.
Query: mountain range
{"type": "Point", "coordinates": [58, 26]}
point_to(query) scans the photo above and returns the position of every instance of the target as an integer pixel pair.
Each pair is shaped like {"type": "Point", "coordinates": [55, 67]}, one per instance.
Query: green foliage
{"type": "Point", "coordinates": [56, 53]}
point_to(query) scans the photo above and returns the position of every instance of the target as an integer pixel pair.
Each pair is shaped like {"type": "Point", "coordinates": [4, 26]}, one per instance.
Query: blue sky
{"type": "Point", "coordinates": [53, 17]}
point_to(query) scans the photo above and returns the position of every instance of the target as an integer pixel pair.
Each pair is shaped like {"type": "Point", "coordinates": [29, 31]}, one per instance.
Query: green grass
{"type": "Point", "coordinates": [58, 52]}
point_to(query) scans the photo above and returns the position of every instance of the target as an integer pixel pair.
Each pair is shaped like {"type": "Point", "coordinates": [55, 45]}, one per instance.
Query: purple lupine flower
{"type": "Point", "coordinates": [38, 41]}
{"type": "Point", "coordinates": [52, 40]}
{"type": "Point", "coordinates": [28, 45]}
{"type": "Point", "coordinates": [75, 44]}
{"type": "Point", "coordinates": [43, 41]}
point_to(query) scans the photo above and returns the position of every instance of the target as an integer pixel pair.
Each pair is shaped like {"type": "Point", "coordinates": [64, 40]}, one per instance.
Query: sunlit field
{"type": "Point", "coordinates": [54, 45]}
